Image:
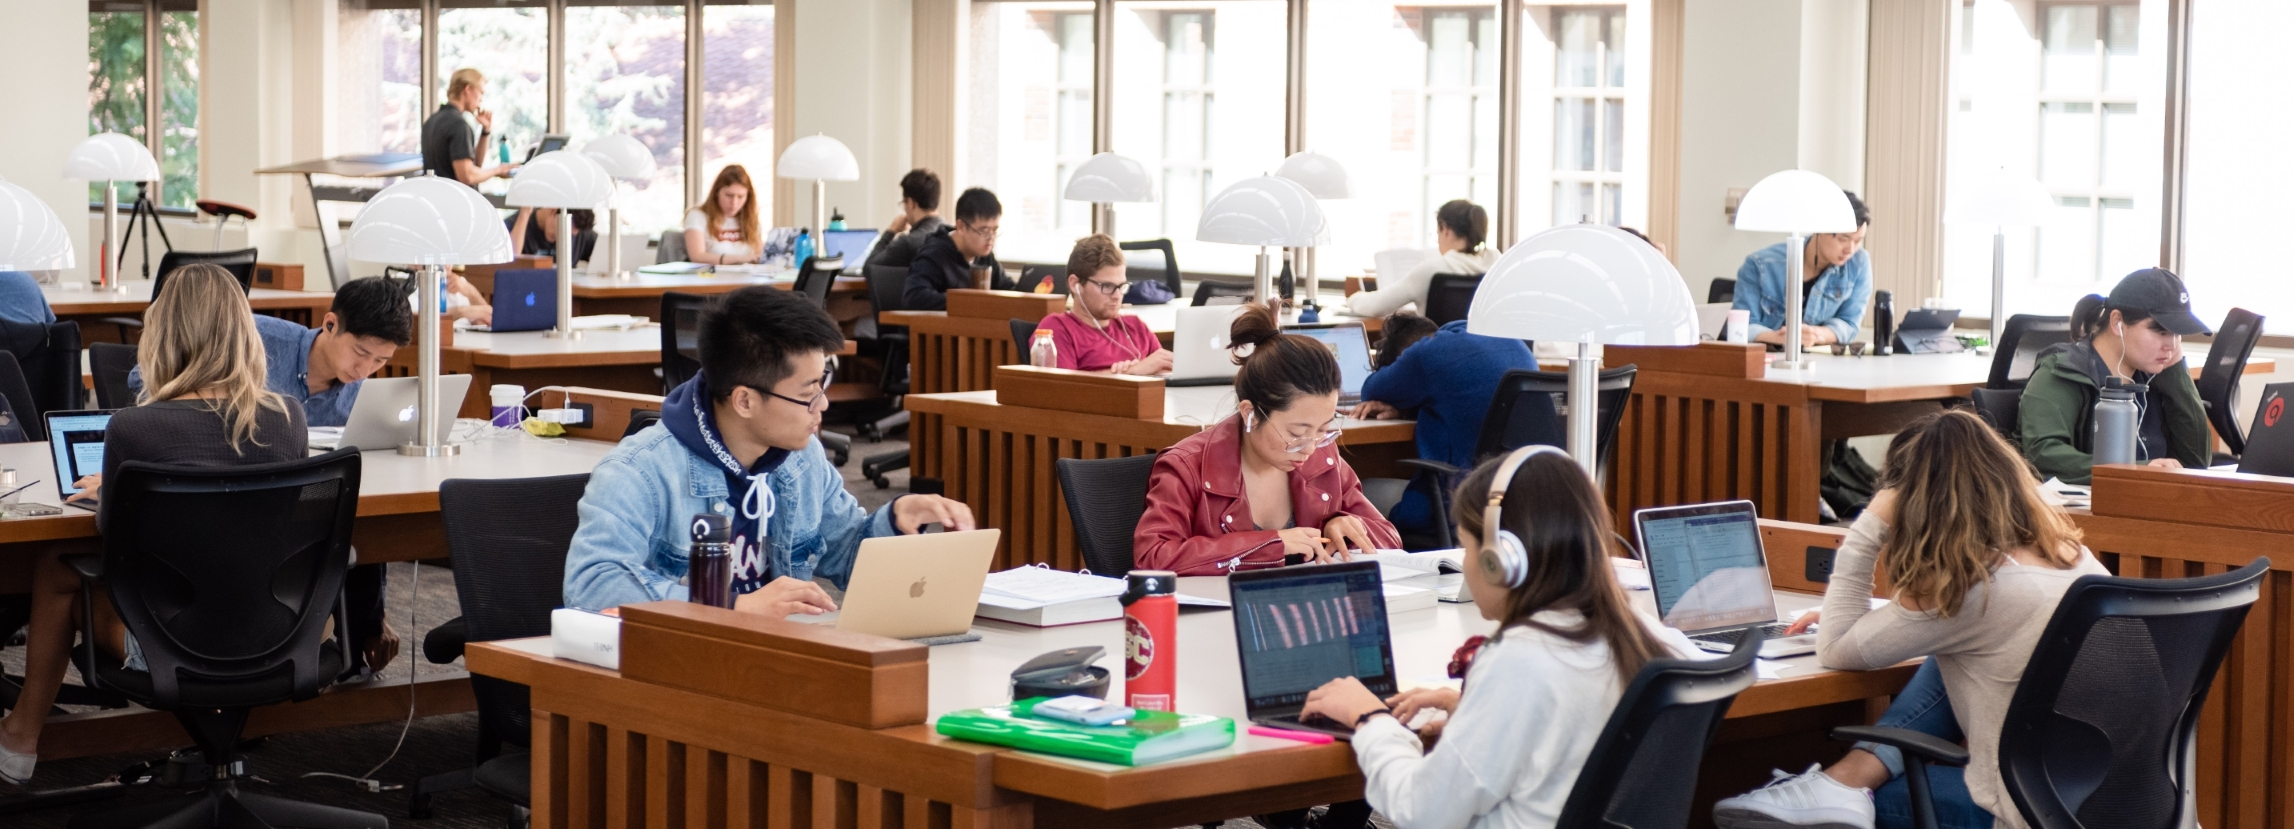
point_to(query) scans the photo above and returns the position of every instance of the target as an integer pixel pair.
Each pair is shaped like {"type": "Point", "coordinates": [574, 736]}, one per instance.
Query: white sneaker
{"type": "Point", "coordinates": [1808, 800]}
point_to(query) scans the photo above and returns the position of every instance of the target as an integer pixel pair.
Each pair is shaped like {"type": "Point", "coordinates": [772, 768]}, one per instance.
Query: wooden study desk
{"type": "Point", "coordinates": [89, 306]}
{"type": "Point", "coordinates": [689, 736]}
{"type": "Point", "coordinates": [640, 295]}
{"type": "Point", "coordinates": [627, 360]}
{"type": "Point", "coordinates": [994, 450]}
{"type": "Point", "coordinates": [397, 521]}
{"type": "Point", "coordinates": [1713, 422]}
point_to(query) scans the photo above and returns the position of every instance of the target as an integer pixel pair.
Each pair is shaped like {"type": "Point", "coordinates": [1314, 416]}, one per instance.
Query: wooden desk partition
{"type": "Point", "coordinates": [810, 670]}
{"type": "Point", "coordinates": [1061, 390]}
{"type": "Point", "coordinates": [1703, 425]}
{"type": "Point", "coordinates": [959, 350]}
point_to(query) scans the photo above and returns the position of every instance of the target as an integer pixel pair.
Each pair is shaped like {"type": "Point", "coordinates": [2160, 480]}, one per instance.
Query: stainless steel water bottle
{"type": "Point", "coordinates": [709, 562]}
{"type": "Point", "coordinates": [2116, 421]}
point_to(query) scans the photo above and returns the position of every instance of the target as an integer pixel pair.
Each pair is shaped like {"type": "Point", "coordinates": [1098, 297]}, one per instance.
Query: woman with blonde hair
{"type": "Point", "coordinates": [1978, 560]}
{"type": "Point", "coordinates": [203, 404]}
{"type": "Point", "coordinates": [722, 229]}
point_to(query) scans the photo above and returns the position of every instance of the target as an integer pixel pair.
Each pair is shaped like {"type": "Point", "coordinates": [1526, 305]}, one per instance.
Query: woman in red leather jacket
{"type": "Point", "coordinates": [1267, 481]}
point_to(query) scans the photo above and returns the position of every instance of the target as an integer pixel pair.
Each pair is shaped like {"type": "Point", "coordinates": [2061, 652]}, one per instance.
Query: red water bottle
{"type": "Point", "coordinates": [1151, 640]}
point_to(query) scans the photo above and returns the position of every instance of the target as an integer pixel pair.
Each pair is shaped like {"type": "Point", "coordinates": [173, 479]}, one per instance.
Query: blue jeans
{"type": "Point", "coordinates": [1923, 707]}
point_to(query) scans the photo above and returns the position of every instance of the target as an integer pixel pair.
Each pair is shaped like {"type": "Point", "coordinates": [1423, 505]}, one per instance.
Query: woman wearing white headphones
{"type": "Point", "coordinates": [1567, 643]}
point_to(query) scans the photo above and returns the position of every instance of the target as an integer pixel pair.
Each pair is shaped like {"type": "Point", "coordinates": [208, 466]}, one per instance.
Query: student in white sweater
{"type": "Point", "coordinates": [1460, 227]}
{"type": "Point", "coordinates": [1538, 692]}
{"type": "Point", "coordinates": [1979, 560]}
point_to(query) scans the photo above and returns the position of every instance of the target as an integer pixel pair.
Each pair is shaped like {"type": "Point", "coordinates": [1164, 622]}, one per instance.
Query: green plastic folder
{"type": "Point", "coordinates": [1150, 737]}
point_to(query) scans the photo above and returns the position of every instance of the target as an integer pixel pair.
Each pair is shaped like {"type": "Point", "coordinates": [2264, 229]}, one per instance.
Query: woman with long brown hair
{"type": "Point", "coordinates": [1978, 560]}
{"type": "Point", "coordinates": [722, 229]}
{"type": "Point", "coordinates": [203, 404]}
{"type": "Point", "coordinates": [1567, 644]}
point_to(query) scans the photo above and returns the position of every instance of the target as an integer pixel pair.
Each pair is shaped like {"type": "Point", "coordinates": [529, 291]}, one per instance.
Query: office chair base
{"type": "Point", "coordinates": [418, 800]}
{"type": "Point", "coordinates": [224, 805]}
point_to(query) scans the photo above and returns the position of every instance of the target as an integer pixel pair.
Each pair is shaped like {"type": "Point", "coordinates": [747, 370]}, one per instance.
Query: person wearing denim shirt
{"type": "Point", "coordinates": [1839, 285]}
{"type": "Point", "coordinates": [21, 300]}
{"type": "Point", "coordinates": [737, 439]}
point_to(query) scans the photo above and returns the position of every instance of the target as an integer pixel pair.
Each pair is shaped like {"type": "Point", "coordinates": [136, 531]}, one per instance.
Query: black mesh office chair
{"type": "Point", "coordinates": [885, 283]}
{"type": "Point", "coordinates": [1527, 409]}
{"type": "Point", "coordinates": [508, 539]}
{"type": "Point", "coordinates": [1023, 337]}
{"type": "Point", "coordinates": [110, 363]}
{"type": "Point", "coordinates": [241, 264]}
{"type": "Point", "coordinates": [1146, 268]}
{"type": "Point", "coordinates": [23, 412]}
{"type": "Point", "coordinates": [49, 356]}
{"type": "Point", "coordinates": [2020, 342]}
{"type": "Point", "coordinates": [638, 420]}
{"type": "Point", "coordinates": [2003, 409]}
{"type": "Point", "coordinates": [1104, 500]}
{"type": "Point", "coordinates": [1722, 289]}
{"type": "Point", "coordinates": [1450, 295]}
{"type": "Point", "coordinates": [2102, 732]}
{"type": "Point", "coordinates": [817, 276]}
{"type": "Point", "coordinates": [680, 337]}
{"type": "Point", "coordinates": [1208, 292]}
{"type": "Point", "coordinates": [1642, 772]}
{"type": "Point", "coordinates": [2218, 377]}
{"type": "Point", "coordinates": [227, 577]}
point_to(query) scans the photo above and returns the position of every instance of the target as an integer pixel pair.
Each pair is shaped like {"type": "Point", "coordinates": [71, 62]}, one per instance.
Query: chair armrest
{"type": "Point", "coordinates": [89, 566]}
{"type": "Point", "coordinates": [1436, 467]}
{"type": "Point", "coordinates": [445, 643]}
{"type": "Point", "coordinates": [1927, 746]}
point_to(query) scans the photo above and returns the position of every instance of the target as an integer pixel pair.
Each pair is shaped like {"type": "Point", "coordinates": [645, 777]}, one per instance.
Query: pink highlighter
{"type": "Point", "coordinates": [1287, 734]}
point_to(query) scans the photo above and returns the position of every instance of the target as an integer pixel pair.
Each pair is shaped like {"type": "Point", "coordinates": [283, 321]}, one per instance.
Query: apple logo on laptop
{"type": "Point", "coordinates": [529, 299]}
{"type": "Point", "coordinates": [916, 591]}
{"type": "Point", "coordinates": [406, 415]}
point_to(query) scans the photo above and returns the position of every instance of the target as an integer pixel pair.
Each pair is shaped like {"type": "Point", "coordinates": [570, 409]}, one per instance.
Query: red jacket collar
{"type": "Point", "coordinates": [1222, 463]}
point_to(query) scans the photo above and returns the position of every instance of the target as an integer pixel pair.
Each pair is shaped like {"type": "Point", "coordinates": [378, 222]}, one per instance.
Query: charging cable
{"type": "Point", "coordinates": [367, 781]}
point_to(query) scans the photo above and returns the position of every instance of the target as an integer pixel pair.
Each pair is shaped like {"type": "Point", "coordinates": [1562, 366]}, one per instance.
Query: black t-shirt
{"type": "Point", "coordinates": [538, 244]}
{"type": "Point", "coordinates": [445, 137]}
{"type": "Point", "coordinates": [194, 433]}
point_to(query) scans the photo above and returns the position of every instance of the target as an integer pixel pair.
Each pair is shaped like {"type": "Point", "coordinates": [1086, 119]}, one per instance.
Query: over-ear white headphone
{"type": "Point", "coordinates": [1504, 560]}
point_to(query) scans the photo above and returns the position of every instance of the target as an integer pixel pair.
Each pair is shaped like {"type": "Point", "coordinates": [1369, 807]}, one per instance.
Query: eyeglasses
{"type": "Point", "coordinates": [1108, 288]}
{"type": "Point", "coordinates": [1326, 437]}
{"type": "Point", "coordinates": [988, 231]}
{"type": "Point", "coordinates": [819, 399]}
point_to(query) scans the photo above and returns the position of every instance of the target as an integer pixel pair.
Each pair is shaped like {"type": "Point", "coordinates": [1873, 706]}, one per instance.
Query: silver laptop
{"type": "Point", "coordinates": [1712, 320]}
{"type": "Point", "coordinates": [1199, 355]}
{"type": "Point", "coordinates": [387, 413]}
{"type": "Point", "coordinates": [77, 441]}
{"type": "Point", "coordinates": [1351, 346]}
{"type": "Point", "coordinates": [915, 586]}
{"type": "Point", "coordinates": [1710, 576]}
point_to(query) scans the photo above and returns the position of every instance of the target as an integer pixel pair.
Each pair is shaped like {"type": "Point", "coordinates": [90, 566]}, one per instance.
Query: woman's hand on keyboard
{"type": "Point", "coordinates": [1803, 624]}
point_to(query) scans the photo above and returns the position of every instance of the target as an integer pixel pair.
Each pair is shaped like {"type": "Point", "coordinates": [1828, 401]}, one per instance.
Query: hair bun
{"type": "Point", "coordinates": [1256, 324]}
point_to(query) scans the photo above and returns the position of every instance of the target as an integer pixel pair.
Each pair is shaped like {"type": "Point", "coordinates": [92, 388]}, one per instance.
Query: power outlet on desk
{"type": "Point", "coordinates": [1819, 567]}
{"type": "Point", "coordinates": [573, 414]}
{"type": "Point", "coordinates": [589, 418]}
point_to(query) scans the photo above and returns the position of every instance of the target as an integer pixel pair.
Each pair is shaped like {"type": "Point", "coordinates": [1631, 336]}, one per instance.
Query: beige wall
{"type": "Point", "coordinates": [44, 109]}
{"type": "Point", "coordinates": [852, 81]}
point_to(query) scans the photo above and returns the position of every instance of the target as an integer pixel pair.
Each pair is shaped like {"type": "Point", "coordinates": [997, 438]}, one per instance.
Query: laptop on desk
{"type": "Point", "coordinates": [2269, 439]}
{"type": "Point", "coordinates": [915, 586]}
{"type": "Point", "coordinates": [1199, 355]}
{"type": "Point", "coordinates": [1299, 627]}
{"type": "Point", "coordinates": [525, 299]}
{"type": "Point", "coordinates": [1351, 346]}
{"type": "Point", "coordinates": [1710, 576]}
{"type": "Point", "coordinates": [77, 441]}
{"type": "Point", "coordinates": [387, 414]}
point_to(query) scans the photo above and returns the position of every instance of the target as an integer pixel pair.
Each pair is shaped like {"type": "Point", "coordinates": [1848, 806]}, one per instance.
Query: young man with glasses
{"type": "Point", "coordinates": [1094, 335]}
{"type": "Point", "coordinates": [952, 255]}
{"type": "Point", "coordinates": [738, 439]}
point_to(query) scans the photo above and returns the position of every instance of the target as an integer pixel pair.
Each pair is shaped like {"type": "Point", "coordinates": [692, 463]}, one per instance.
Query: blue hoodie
{"type": "Point", "coordinates": [792, 514]}
{"type": "Point", "coordinates": [1448, 378]}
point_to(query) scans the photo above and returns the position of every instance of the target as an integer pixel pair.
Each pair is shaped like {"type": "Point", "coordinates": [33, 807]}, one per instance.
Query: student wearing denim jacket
{"type": "Point", "coordinates": [1838, 284]}
{"type": "Point", "coordinates": [737, 439]}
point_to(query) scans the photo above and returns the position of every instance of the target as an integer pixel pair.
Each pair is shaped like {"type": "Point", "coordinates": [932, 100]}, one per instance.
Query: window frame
{"type": "Point", "coordinates": [154, 108]}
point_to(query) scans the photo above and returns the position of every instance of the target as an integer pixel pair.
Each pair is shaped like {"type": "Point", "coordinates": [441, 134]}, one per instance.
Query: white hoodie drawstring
{"type": "Point", "coordinates": [756, 508]}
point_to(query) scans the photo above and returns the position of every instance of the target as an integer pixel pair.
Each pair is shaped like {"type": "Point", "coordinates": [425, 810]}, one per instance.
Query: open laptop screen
{"type": "Point", "coordinates": [1706, 566]}
{"type": "Point", "coordinates": [1299, 627]}
{"type": "Point", "coordinates": [1351, 347]}
{"type": "Point", "coordinates": [77, 439]}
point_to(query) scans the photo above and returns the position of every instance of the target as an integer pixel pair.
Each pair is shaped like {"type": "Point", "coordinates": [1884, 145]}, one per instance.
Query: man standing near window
{"type": "Point", "coordinates": [454, 139]}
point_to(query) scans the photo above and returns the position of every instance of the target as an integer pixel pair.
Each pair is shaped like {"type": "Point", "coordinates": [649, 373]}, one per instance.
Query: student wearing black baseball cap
{"type": "Point", "coordinates": [2135, 335]}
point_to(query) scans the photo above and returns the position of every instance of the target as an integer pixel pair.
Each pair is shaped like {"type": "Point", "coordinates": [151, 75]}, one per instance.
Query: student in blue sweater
{"type": "Point", "coordinates": [1448, 377]}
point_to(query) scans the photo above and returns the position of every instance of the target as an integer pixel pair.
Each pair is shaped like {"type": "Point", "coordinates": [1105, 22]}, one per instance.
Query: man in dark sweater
{"type": "Point", "coordinates": [947, 259]}
{"type": "Point", "coordinates": [919, 221]}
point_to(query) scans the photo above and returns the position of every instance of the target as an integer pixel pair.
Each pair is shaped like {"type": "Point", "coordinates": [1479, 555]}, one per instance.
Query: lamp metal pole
{"type": "Point", "coordinates": [1998, 285]}
{"type": "Point", "coordinates": [426, 443]}
{"type": "Point", "coordinates": [107, 275]}
{"type": "Point", "coordinates": [1795, 247]}
{"type": "Point", "coordinates": [566, 252]}
{"type": "Point", "coordinates": [1584, 403]}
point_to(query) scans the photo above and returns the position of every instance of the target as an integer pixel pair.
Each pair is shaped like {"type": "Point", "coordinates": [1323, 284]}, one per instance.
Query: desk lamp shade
{"type": "Point", "coordinates": [1320, 174]}
{"type": "Point", "coordinates": [1264, 211]}
{"type": "Point", "coordinates": [818, 158]}
{"type": "Point", "coordinates": [1796, 201]}
{"type": "Point", "coordinates": [1573, 282]}
{"type": "Point", "coordinates": [562, 179]}
{"type": "Point", "coordinates": [1108, 177]}
{"type": "Point", "coordinates": [428, 220]}
{"type": "Point", "coordinates": [31, 237]}
{"type": "Point", "coordinates": [1998, 198]}
{"type": "Point", "coordinates": [622, 157]}
{"type": "Point", "coordinates": [110, 156]}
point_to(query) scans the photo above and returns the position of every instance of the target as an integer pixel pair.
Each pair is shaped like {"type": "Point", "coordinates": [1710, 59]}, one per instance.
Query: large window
{"type": "Point", "coordinates": [1584, 116]}
{"type": "Point", "coordinates": [125, 62]}
{"type": "Point", "coordinates": [1030, 122]}
{"type": "Point", "coordinates": [379, 56]}
{"type": "Point", "coordinates": [1199, 99]}
{"type": "Point", "coordinates": [508, 41]}
{"type": "Point", "coordinates": [2074, 95]}
{"type": "Point", "coordinates": [1405, 97]}
{"type": "Point", "coordinates": [625, 73]}
{"type": "Point", "coordinates": [737, 98]}
{"type": "Point", "coordinates": [2237, 170]}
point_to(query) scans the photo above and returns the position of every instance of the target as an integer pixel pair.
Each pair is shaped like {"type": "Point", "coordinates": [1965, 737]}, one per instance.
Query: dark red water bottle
{"type": "Point", "coordinates": [1151, 640]}
{"type": "Point", "coordinates": [709, 562]}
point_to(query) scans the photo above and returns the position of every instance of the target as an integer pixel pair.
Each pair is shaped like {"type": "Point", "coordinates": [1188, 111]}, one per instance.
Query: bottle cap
{"type": "Point", "coordinates": [712, 528]}
{"type": "Point", "coordinates": [1143, 583]}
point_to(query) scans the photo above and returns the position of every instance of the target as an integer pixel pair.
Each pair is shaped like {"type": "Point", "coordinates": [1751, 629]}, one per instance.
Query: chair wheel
{"type": "Point", "coordinates": [883, 482]}
{"type": "Point", "coordinates": [842, 456]}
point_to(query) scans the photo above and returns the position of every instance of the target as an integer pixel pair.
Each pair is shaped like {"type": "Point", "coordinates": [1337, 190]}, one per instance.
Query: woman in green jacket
{"type": "Point", "coordinates": [2135, 335]}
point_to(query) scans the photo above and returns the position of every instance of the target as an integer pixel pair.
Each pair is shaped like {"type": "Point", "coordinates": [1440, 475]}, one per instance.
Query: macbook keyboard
{"type": "Point", "coordinates": [1729, 637]}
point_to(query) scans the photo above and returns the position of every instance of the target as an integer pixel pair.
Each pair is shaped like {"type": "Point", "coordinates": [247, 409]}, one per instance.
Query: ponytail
{"type": "Point", "coordinates": [1278, 368]}
{"type": "Point", "coordinates": [1465, 220]}
{"type": "Point", "coordinates": [2092, 316]}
